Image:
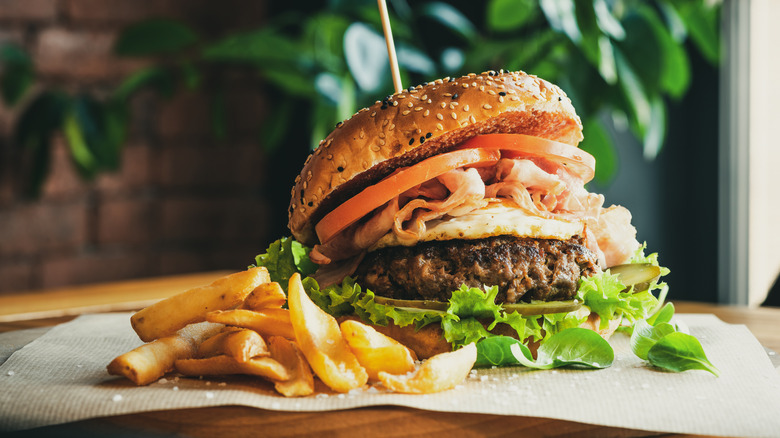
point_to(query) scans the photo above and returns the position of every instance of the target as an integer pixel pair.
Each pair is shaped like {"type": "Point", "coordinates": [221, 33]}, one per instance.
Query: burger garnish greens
{"type": "Point", "coordinates": [445, 220]}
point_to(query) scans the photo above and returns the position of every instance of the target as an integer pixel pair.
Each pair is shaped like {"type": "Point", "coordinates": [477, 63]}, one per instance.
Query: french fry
{"type": "Point", "coordinates": [375, 351]}
{"type": "Point", "coordinates": [321, 341]}
{"type": "Point", "coordinates": [269, 322]}
{"type": "Point", "coordinates": [241, 345]}
{"type": "Point", "coordinates": [224, 365]}
{"type": "Point", "coordinates": [171, 314]}
{"type": "Point", "coordinates": [301, 381]}
{"type": "Point", "coordinates": [439, 373]}
{"type": "Point", "coordinates": [267, 295]}
{"type": "Point", "coordinates": [151, 361]}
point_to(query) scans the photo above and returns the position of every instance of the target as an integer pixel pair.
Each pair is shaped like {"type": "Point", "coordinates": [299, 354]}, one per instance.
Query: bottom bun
{"type": "Point", "coordinates": [429, 340]}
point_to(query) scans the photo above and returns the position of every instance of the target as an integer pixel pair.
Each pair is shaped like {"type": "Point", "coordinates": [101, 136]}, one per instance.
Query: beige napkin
{"type": "Point", "coordinates": [61, 377]}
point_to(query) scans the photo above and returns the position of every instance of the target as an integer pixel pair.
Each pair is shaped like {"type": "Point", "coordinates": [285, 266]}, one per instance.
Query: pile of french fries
{"type": "Point", "coordinates": [238, 325]}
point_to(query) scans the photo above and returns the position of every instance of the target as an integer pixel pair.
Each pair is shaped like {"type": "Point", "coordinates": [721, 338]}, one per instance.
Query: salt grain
{"type": "Point", "coordinates": [163, 380]}
{"type": "Point", "coordinates": [10, 373]}
{"type": "Point", "coordinates": [209, 394]}
{"type": "Point", "coordinates": [116, 398]}
{"type": "Point", "coordinates": [175, 388]}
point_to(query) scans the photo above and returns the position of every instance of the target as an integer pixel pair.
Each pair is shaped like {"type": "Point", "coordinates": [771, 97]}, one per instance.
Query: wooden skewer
{"type": "Point", "coordinates": [390, 46]}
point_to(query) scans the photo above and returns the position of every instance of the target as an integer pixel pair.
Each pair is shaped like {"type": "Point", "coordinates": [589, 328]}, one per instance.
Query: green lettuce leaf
{"type": "Point", "coordinates": [285, 257]}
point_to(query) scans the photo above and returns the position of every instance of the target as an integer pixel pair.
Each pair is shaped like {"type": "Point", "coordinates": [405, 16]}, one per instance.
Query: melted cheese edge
{"type": "Point", "coordinates": [494, 220]}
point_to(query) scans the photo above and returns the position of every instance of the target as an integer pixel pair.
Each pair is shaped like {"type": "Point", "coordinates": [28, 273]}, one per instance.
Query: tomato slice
{"type": "Point", "coordinates": [402, 180]}
{"type": "Point", "coordinates": [579, 162]}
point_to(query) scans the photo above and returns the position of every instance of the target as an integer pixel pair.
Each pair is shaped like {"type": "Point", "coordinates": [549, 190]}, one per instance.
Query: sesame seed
{"type": "Point", "coordinates": [406, 112]}
{"type": "Point", "coordinates": [439, 127]}
{"type": "Point", "coordinates": [430, 101]}
{"type": "Point", "coordinates": [381, 142]}
{"type": "Point", "coordinates": [338, 125]}
{"type": "Point", "coordinates": [447, 94]}
{"type": "Point", "coordinates": [443, 105]}
{"type": "Point", "coordinates": [395, 103]}
{"type": "Point", "coordinates": [502, 93]}
{"type": "Point", "coordinates": [305, 185]}
{"type": "Point", "coordinates": [487, 106]}
{"type": "Point", "coordinates": [411, 141]}
{"type": "Point", "coordinates": [392, 126]}
{"type": "Point", "coordinates": [439, 116]}
{"type": "Point", "coordinates": [419, 108]}
{"type": "Point", "coordinates": [481, 88]}
{"type": "Point", "coordinates": [472, 119]}
{"type": "Point", "coordinates": [373, 114]}
{"type": "Point", "coordinates": [464, 85]}
{"type": "Point", "coordinates": [375, 148]}
{"type": "Point", "coordinates": [500, 99]}
{"type": "Point", "coordinates": [329, 157]}
{"type": "Point", "coordinates": [410, 105]}
{"type": "Point", "coordinates": [425, 114]}
{"type": "Point", "coordinates": [514, 98]}
{"type": "Point", "coordinates": [465, 108]}
{"type": "Point", "coordinates": [491, 92]}
{"type": "Point", "coordinates": [455, 96]}
{"type": "Point", "coordinates": [424, 97]}
{"type": "Point", "coordinates": [310, 204]}
{"type": "Point", "coordinates": [473, 84]}
{"type": "Point", "coordinates": [384, 122]}
{"type": "Point", "coordinates": [422, 140]}
{"type": "Point", "coordinates": [340, 168]}
{"type": "Point", "coordinates": [559, 98]}
{"type": "Point", "coordinates": [362, 134]}
{"type": "Point", "coordinates": [381, 135]}
{"type": "Point", "coordinates": [297, 179]}
{"type": "Point", "coordinates": [454, 116]}
{"type": "Point", "coordinates": [428, 135]}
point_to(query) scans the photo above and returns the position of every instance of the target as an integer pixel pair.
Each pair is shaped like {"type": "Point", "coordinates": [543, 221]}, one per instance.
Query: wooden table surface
{"type": "Point", "coordinates": [49, 307]}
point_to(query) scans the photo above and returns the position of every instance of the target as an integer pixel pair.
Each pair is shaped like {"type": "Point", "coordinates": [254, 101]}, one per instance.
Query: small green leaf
{"type": "Point", "coordinates": [158, 78]}
{"type": "Point", "coordinates": [703, 23]}
{"type": "Point", "coordinates": [663, 315]}
{"type": "Point", "coordinates": [680, 352]}
{"type": "Point", "coordinates": [16, 73]}
{"type": "Point", "coordinates": [495, 351]}
{"type": "Point", "coordinates": [656, 128]}
{"type": "Point", "coordinates": [451, 18]}
{"type": "Point", "coordinates": [562, 17]}
{"type": "Point", "coordinates": [606, 21]}
{"type": "Point", "coordinates": [366, 56]}
{"type": "Point", "coordinates": [155, 37]}
{"type": "Point", "coordinates": [598, 143]}
{"type": "Point", "coordinates": [646, 335]}
{"type": "Point", "coordinates": [256, 47]}
{"type": "Point", "coordinates": [575, 346]}
{"type": "Point", "coordinates": [505, 15]}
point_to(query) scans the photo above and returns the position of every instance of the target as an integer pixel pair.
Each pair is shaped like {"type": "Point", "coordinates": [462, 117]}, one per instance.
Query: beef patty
{"type": "Point", "coordinates": [524, 269]}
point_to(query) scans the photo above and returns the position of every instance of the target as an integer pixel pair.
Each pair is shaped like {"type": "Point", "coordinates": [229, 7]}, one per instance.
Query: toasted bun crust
{"type": "Point", "coordinates": [421, 122]}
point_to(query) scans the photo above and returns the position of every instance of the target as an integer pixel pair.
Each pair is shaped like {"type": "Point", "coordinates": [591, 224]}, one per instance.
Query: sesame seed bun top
{"type": "Point", "coordinates": [420, 122]}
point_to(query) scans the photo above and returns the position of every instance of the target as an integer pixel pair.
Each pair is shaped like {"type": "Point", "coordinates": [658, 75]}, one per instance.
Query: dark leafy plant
{"type": "Point", "coordinates": [620, 58]}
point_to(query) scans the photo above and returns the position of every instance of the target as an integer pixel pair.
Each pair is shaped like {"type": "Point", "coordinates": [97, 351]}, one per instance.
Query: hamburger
{"type": "Point", "coordinates": [457, 210]}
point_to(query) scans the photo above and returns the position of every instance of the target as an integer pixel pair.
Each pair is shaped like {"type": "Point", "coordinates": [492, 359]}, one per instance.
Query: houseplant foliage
{"type": "Point", "coordinates": [321, 61]}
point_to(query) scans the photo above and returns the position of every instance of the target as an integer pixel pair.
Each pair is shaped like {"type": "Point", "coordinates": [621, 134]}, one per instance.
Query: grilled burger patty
{"type": "Point", "coordinates": [524, 269]}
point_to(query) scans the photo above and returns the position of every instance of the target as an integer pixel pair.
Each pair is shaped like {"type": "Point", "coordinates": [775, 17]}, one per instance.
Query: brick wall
{"type": "Point", "coordinates": [181, 202]}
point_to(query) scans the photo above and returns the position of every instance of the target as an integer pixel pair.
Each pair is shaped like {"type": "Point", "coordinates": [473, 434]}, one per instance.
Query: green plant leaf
{"type": "Point", "coordinates": [451, 18]}
{"type": "Point", "coordinates": [155, 77]}
{"type": "Point", "coordinates": [366, 55]}
{"type": "Point", "coordinates": [415, 60]}
{"type": "Point", "coordinates": [573, 346]}
{"type": "Point", "coordinates": [95, 133]}
{"type": "Point", "coordinates": [16, 73]}
{"type": "Point", "coordinates": [671, 65]}
{"type": "Point", "coordinates": [607, 22]}
{"type": "Point", "coordinates": [155, 37]}
{"type": "Point", "coordinates": [598, 143]}
{"type": "Point", "coordinates": [562, 17]}
{"type": "Point", "coordinates": [638, 102]}
{"type": "Point", "coordinates": [293, 82]}
{"type": "Point", "coordinates": [33, 132]}
{"type": "Point", "coordinates": [664, 314]}
{"type": "Point", "coordinates": [656, 128]}
{"type": "Point", "coordinates": [274, 128]}
{"type": "Point", "coordinates": [703, 23]}
{"type": "Point", "coordinates": [505, 15]}
{"type": "Point", "coordinates": [680, 352]}
{"type": "Point", "coordinates": [257, 47]}
{"type": "Point", "coordinates": [645, 336]}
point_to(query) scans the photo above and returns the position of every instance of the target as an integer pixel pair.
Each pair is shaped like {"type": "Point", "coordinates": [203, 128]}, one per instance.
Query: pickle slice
{"type": "Point", "coordinates": [412, 304]}
{"type": "Point", "coordinates": [543, 307]}
{"type": "Point", "coordinates": [639, 275]}
{"type": "Point", "coordinates": [532, 308]}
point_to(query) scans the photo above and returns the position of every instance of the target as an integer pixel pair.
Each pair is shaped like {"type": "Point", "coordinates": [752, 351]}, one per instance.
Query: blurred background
{"type": "Point", "coordinates": [141, 138]}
